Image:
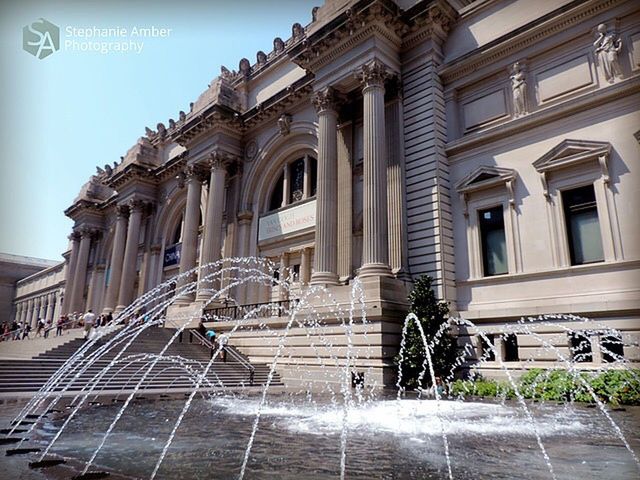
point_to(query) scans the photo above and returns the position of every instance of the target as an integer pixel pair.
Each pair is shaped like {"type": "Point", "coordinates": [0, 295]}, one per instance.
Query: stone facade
{"type": "Point", "coordinates": [377, 142]}
{"type": "Point", "coordinates": [27, 287]}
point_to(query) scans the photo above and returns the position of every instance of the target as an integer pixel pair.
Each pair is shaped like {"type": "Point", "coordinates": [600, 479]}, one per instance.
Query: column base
{"type": "Point", "coordinates": [375, 270]}
{"type": "Point", "coordinates": [184, 299]}
{"type": "Point", "coordinates": [324, 278]}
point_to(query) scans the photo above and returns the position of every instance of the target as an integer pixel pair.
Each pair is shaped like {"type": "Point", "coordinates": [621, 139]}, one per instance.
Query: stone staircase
{"type": "Point", "coordinates": [28, 375]}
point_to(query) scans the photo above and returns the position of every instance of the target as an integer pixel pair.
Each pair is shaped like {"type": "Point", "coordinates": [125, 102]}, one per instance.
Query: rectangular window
{"type": "Point", "coordinates": [580, 347]}
{"type": "Point", "coordinates": [511, 348]}
{"type": "Point", "coordinates": [488, 352]}
{"type": "Point", "coordinates": [612, 348]}
{"type": "Point", "coordinates": [583, 227]}
{"type": "Point", "coordinates": [493, 241]}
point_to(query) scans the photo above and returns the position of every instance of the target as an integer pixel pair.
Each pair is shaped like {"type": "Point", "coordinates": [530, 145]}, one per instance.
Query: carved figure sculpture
{"type": "Point", "coordinates": [519, 90]}
{"type": "Point", "coordinates": [608, 45]}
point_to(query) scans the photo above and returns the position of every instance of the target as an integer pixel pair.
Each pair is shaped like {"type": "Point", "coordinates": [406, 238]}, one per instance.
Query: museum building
{"type": "Point", "coordinates": [491, 144]}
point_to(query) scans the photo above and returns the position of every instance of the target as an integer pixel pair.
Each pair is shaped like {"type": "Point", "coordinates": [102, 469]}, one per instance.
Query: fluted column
{"type": "Point", "coordinates": [50, 305]}
{"type": "Point", "coordinates": [375, 247]}
{"type": "Point", "coordinates": [57, 311]}
{"type": "Point", "coordinates": [18, 313]}
{"type": "Point", "coordinates": [305, 265]}
{"type": "Point", "coordinates": [189, 251]}
{"type": "Point", "coordinates": [286, 185]}
{"type": "Point", "coordinates": [35, 313]}
{"type": "Point", "coordinates": [28, 314]}
{"type": "Point", "coordinates": [117, 259]}
{"type": "Point", "coordinates": [326, 258]}
{"type": "Point", "coordinates": [242, 249]}
{"type": "Point", "coordinates": [80, 273]}
{"type": "Point", "coordinates": [212, 238]}
{"type": "Point", "coordinates": [398, 254]}
{"type": "Point", "coordinates": [129, 267]}
{"type": "Point", "coordinates": [71, 269]}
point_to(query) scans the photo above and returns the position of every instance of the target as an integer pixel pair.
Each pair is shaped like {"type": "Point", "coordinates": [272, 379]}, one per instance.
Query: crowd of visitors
{"type": "Point", "coordinates": [18, 330]}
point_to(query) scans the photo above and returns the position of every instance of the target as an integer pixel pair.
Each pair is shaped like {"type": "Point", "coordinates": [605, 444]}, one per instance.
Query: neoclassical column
{"type": "Point", "coordinates": [42, 313]}
{"type": "Point", "coordinates": [35, 313]}
{"type": "Point", "coordinates": [305, 265]}
{"type": "Point", "coordinates": [189, 251]}
{"type": "Point", "coordinates": [117, 258]}
{"type": "Point", "coordinates": [57, 311]}
{"type": "Point", "coordinates": [18, 313]}
{"type": "Point", "coordinates": [50, 305]}
{"type": "Point", "coordinates": [242, 248]}
{"type": "Point", "coordinates": [375, 248]}
{"type": "Point", "coordinates": [212, 237]}
{"type": "Point", "coordinates": [129, 267]}
{"type": "Point", "coordinates": [326, 263]}
{"type": "Point", "coordinates": [28, 313]}
{"type": "Point", "coordinates": [71, 268]}
{"type": "Point", "coordinates": [80, 273]}
{"type": "Point", "coordinates": [398, 253]}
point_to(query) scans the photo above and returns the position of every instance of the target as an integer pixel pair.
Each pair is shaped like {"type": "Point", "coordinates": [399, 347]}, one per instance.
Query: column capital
{"type": "Point", "coordinates": [122, 210]}
{"type": "Point", "coordinates": [326, 100]}
{"type": "Point", "coordinates": [74, 236]}
{"type": "Point", "coordinates": [374, 74]}
{"type": "Point", "coordinates": [136, 205]}
{"type": "Point", "coordinates": [155, 249]}
{"type": "Point", "coordinates": [88, 231]}
{"type": "Point", "coordinates": [193, 172]}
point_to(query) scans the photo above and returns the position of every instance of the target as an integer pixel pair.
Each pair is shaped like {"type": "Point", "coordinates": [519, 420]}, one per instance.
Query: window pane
{"type": "Point", "coordinates": [583, 227]}
{"type": "Point", "coordinates": [494, 244]}
{"type": "Point", "coordinates": [612, 348]}
{"type": "Point", "coordinates": [297, 180]}
{"type": "Point", "coordinates": [276, 196]}
{"type": "Point", "coordinates": [580, 347]}
{"type": "Point", "coordinates": [511, 348]}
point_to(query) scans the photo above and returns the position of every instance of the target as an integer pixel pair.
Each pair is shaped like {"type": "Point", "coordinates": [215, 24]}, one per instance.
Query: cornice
{"type": "Point", "coordinates": [277, 104]}
{"type": "Point", "coordinates": [554, 22]}
{"type": "Point", "coordinates": [364, 19]}
{"type": "Point", "coordinates": [172, 167]}
{"type": "Point", "coordinates": [130, 173]}
{"type": "Point", "coordinates": [82, 205]}
{"type": "Point", "coordinates": [213, 117]}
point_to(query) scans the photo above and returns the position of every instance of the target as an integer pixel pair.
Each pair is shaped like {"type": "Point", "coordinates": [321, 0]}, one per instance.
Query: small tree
{"type": "Point", "coordinates": [432, 313]}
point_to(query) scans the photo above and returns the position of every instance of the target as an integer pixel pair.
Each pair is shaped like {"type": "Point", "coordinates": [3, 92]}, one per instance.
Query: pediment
{"type": "Point", "coordinates": [485, 177]}
{"type": "Point", "coordinates": [570, 152]}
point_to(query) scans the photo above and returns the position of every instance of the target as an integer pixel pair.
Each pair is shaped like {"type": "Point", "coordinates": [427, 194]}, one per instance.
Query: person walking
{"type": "Point", "coordinates": [39, 327]}
{"type": "Point", "coordinates": [25, 331]}
{"type": "Point", "coordinates": [47, 327]}
{"type": "Point", "coordinates": [15, 328]}
{"type": "Point", "coordinates": [59, 325]}
{"type": "Point", "coordinates": [89, 319]}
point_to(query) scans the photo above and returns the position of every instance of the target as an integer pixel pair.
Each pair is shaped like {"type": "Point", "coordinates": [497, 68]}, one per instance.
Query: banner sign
{"type": "Point", "coordinates": [172, 255]}
{"type": "Point", "coordinates": [287, 221]}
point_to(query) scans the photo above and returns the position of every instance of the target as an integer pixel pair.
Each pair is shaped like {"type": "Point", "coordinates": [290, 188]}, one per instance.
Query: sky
{"type": "Point", "coordinates": [63, 115]}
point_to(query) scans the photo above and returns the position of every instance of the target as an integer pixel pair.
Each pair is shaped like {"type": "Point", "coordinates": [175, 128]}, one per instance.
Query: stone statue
{"type": "Point", "coordinates": [608, 45]}
{"type": "Point", "coordinates": [284, 124]}
{"type": "Point", "coordinates": [297, 31]}
{"type": "Point", "coordinates": [278, 45]}
{"type": "Point", "coordinates": [182, 116]}
{"type": "Point", "coordinates": [261, 58]}
{"type": "Point", "coordinates": [519, 90]}
{"type": "Point", "coordinates": [245, 67]}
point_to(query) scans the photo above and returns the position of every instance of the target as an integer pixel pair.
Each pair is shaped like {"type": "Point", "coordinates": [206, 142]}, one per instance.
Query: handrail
{"type": "Point", "coordinates": [277, 309]}
{"type": "Point", "coordinates": [204, 341]}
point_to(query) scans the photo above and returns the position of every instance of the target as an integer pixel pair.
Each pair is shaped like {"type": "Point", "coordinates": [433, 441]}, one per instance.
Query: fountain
{"type": "Point", "coordinates": [335, 426]}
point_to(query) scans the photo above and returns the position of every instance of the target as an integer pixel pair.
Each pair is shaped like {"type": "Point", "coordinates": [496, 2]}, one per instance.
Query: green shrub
{"type": "Point", "coordinates": [617, 387]}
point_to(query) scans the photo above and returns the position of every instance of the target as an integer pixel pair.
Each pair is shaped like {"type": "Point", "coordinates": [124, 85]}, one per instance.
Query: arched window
{"type": "Point", "coordinates": [299, 172]}
{"type": "Point", "coordinates": [176, 237]}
